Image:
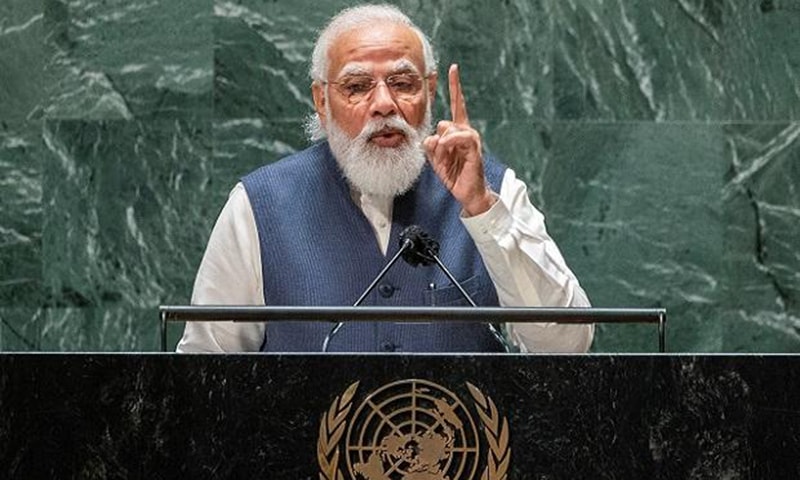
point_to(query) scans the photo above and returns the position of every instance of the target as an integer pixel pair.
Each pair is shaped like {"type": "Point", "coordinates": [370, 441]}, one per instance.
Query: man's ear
{"type": "Point", "coordinates": [318, 94]}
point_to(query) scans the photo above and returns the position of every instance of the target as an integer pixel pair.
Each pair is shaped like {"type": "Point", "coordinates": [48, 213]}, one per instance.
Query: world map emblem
{"type": "Point", "coordinates": [413, 430]}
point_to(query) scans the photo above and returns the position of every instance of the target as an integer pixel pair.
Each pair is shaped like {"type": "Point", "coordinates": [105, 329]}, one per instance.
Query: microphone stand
{"type": "Point", "coordinates": [421, 245]}
{"type": "Point", "coordinates": [426, 252]}
{"type": "Point", "coordinates": [408, 243]}
{"type": "Point", "coordinates": [497, 335]}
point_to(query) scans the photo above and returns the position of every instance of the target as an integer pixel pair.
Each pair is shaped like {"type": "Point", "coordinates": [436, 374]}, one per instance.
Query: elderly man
{"type": "Point", "coordinates": [316, 227]}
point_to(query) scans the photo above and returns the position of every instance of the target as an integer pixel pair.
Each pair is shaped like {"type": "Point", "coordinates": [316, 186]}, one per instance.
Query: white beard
{"type": "Point", "coordinates": [375, 170]}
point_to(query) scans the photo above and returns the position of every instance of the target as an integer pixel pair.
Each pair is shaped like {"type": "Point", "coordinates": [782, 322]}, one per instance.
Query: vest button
{"type": "Point", "coordinates": [388, 346]}
{"type": "Point", "coordinates": [386, 290]}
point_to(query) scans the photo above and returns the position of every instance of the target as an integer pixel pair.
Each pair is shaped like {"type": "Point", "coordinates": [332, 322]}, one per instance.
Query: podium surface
{"type": "Point", "coordinates": [315, 416]}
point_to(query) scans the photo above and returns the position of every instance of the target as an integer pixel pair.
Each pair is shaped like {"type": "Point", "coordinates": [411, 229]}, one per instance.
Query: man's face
{"type": "Point", "coordinates": [377, 51]}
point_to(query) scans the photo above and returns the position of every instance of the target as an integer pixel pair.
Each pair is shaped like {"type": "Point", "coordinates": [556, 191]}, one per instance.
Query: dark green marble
{"type": "Point", "coordinates": [260, 59]}
{"type": "Point", "coordinates": [107, 328]}
{"type": "Point", "coordinates": [21, 329]}
{"type": "Point", "coordinates": [124, 59]}
{"type": "Point", "coordinates": [503, 50]}
{"type": "Point", "coordinates": [243, 145]}
{"type": "Point", "coordinates": [659, 138]}
{"type": "Point", "coordinates": [761, 202]}
{"type": "Point", "coordinates": [680, 60]}
{"type": "Point", "coordinates": [130, 222]}
{"type": "Point", "coordinates": [762, 60]}
{"type": "Point", "coordinates": [525, 146]}
{"type": "Point", "coordinates": [637, 210]}
{"type": "Point", "coordinates": [21, 58]}
{"type": "Point", "coordinates": [620, 60]}
{"type": "Point", "coordinates": [20, 214]}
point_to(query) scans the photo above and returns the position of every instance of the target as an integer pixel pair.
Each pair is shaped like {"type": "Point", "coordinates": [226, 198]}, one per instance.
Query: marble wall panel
{"type": "Point", "coordinates": [638, 126]}
{"type": "Point", "coordinates": [126, 223]}
{"type": "Point", "coordinates": [524, 145]}
{"type": "Point", "coordinates": [124, 59]}
{"type": "Point", "coordinates": [762, 60]}
{"type": "Point", "coordinates": [681, 60]}
{"type": "Point", "coordinates": [21, 58]}
{"type": "Point", "coordinates": [503, 50]}
{"type": "Point", "coordinates": [260, 58]}
{"type": "Point", "coordinates": [107, 328]}
{"type": "Point", "coordinates": [20, 329]}
{"type": "Point", "coordinates": [20, 213]}
{"type": "Point", "coordinates": [620, 60]}
{"type": "Point", "coordinates": [242, 145]}
{"type": "Point", "coordinates": [762, 259]}
{"type": "Point", "coordinates": [638, 207]}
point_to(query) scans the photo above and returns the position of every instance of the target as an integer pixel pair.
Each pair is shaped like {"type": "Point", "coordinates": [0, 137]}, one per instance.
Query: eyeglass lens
{"type": "Point", "coordinates": [358, 88]}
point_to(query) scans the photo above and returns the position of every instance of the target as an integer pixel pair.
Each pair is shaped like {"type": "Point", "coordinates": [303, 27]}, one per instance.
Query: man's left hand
{"type": "Point", "coordinates": [455, 154]}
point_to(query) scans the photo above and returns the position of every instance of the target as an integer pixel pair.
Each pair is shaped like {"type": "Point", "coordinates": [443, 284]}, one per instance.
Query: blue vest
{"type": "Point", "coordinates": [318, 248]}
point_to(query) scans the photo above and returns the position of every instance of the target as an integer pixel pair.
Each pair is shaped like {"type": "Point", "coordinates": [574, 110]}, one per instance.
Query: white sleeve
{"type": "Point", "coordinates": [229, 274]}
{"type": "Point", "coordinates": [528, 269]}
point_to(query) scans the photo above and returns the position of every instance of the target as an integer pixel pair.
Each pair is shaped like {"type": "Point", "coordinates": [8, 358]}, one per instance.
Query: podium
{"type": "Point", "coordinates": [322, 416]}
{"type": "Point", "coordinates": [342, 416]}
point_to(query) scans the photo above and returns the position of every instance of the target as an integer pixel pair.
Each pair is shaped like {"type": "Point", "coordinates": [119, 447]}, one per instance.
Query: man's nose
{"type": "Point", "coordinates": [383, 103]}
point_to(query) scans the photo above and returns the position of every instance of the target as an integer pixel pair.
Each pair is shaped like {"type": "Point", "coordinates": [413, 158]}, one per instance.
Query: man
{"type": "Point", "coordinates": [317, 226]}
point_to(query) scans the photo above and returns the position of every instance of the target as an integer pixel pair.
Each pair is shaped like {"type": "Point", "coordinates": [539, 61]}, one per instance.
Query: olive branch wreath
{"type": "Point", "coordinates": [497, 434]}
{"type": "Point", "coordinates": [332, 427]}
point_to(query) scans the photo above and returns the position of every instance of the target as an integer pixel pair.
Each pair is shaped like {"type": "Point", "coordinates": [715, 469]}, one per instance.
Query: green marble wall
{"type": "Point", "coordinates": [661, 139]}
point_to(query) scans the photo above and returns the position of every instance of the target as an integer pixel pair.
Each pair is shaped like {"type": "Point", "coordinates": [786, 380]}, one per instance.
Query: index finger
{"type": "Point", "coordinates": [458, 107]}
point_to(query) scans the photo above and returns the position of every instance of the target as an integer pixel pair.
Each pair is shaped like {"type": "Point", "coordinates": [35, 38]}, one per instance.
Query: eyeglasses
{"type": "Point", "coordinates": [357, 88]}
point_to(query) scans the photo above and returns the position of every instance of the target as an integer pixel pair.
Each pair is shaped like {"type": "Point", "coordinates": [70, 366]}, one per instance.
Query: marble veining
{"type": "Point", "coordinates": [660, 139]}
{"type": "Point", "coordinates": [131, 59]}
{"type": "Point", "coordinates": [21, 58]}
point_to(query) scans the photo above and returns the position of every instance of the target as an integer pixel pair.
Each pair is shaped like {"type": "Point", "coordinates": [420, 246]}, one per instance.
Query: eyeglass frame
{"type": "Point", "coordinates": [375, 82]}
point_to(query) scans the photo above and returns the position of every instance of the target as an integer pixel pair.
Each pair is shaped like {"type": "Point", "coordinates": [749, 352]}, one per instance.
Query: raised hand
{"type": "Point", "coordinates": [455, 153]}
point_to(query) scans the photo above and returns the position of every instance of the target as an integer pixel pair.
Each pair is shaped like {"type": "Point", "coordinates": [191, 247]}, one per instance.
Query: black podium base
{"type": "Point", "coordinates": [388, 416]}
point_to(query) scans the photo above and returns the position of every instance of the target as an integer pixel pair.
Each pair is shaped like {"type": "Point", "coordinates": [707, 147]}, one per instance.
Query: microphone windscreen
{"type": "Point", "coordinates": [423, 248]}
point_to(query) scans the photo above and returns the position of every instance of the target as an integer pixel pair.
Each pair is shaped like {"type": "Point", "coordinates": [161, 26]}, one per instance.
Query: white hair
{"type": "Point", "coordinates": [345, 21]}
{"type": "Point", "coordinates": [351, 18]}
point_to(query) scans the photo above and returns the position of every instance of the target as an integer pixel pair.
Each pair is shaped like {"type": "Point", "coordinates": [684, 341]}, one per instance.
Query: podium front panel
{"type": "Point", "coordinates": [398, 416]}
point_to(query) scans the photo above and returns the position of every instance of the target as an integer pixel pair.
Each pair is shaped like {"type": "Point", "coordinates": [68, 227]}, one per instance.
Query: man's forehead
{"type": "Point", "coordinates": [388, 44]}
{"type": "Point", "coordinates": [402, 65]}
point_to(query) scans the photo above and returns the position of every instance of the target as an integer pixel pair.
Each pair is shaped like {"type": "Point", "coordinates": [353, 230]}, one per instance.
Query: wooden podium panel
{"type": "Point", "coordinates": [398, 416]}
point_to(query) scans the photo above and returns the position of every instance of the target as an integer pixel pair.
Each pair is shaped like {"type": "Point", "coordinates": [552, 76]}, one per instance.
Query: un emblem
{"type": "Point", "coordinates": [412, 430]}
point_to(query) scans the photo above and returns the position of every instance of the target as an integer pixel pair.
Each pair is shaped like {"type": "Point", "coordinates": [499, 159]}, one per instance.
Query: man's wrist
{"type": "Point", "coordinates": [490, 225]}
{"type": "Point", "coordinates": [481, 204]}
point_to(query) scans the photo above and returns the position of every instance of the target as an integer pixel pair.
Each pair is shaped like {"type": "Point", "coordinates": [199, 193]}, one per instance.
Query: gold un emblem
{"type": "Point", "coordinates": [412, 430]}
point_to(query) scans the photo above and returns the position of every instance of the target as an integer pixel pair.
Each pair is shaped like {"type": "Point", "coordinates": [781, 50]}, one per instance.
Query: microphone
{"type": "Point", "coordinates": [417, 248]}
{"type": "Point", "coordinates": [423, 248]}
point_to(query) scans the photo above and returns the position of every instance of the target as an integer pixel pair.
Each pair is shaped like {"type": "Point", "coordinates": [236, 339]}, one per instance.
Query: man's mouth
{"type": "Point", "coordinates": [388, 137]}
